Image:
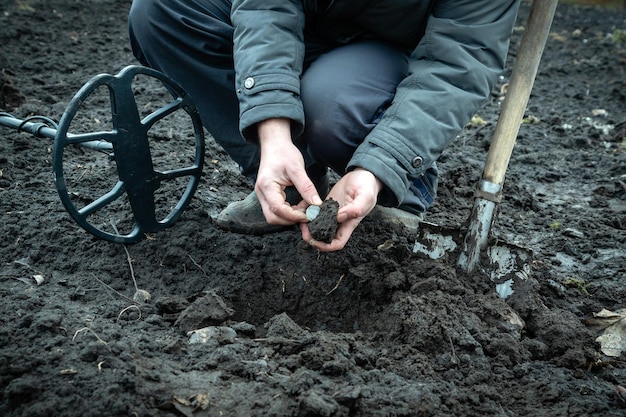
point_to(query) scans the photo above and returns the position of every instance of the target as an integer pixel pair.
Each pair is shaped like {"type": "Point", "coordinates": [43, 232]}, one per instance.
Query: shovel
{"type": "Point", "coordinates": [505, 262]}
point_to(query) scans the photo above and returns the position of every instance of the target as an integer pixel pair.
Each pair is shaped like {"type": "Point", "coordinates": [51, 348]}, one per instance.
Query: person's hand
{"type": "Point", "coordinates": [282, 165]}
{"type": "Point", "coordinates": [356, 192]}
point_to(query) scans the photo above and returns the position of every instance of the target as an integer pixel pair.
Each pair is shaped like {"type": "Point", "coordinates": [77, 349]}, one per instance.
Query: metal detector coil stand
{"type": "Point", "coordinates": [129, 146]}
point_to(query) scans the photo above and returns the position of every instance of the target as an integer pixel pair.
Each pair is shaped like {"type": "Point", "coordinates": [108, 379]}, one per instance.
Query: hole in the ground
{"type": "Point", "coordinates": [346, 291]}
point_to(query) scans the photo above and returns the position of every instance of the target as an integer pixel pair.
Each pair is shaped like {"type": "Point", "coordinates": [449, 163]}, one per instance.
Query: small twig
{"type": "Point", "coordinates": [336, 285]}
{"type": "Point", "coordinates": [128, 258]}
{"type": "Point", "coordinates": [128, 308]}
{"type": "Point", "coordinates": [87, 329]}
{"type": "Point", "coordinates": [454, 359]}
{"type": "Point", "coordinates": [451, 344]}
{"type": "Point", "coordinates": [412, 302]}
{"type": "Point", "coordinates": [265, 339]}
{"type": "Point", "coordinates": [82, 175]}
{"type": "Point", "coordinates": [198, 265]}
{"type": "Point", "coordinates": [107, 286]}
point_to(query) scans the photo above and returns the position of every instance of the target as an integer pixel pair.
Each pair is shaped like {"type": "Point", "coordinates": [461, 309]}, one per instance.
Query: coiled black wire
{"type": "Point", "coordinates": [46, 120]}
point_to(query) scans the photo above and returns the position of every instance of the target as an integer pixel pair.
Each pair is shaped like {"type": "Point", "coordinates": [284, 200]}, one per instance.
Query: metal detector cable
{"type": "Point", "coordinates": [46, 120]}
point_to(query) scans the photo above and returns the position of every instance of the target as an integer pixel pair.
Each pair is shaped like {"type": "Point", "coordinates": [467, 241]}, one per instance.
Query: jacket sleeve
{"type": "Point", "coordinates": [268, 58]}
{"type": "Point", "coordinates": [451, 73]}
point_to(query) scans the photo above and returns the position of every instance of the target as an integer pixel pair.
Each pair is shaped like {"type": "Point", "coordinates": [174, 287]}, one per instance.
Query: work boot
{"type": "Point", "coordinates": [418, 199]}
{"type": "Point", "coordinates": [246, 216]}
{"type": "Point", "coordinates": [393, 215]}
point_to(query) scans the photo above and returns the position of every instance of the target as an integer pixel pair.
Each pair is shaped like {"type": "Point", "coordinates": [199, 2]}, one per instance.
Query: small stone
{"type": "Point", "coordinates": [220, 334]}
{"type": "Point", "coordinates": [142, 296]}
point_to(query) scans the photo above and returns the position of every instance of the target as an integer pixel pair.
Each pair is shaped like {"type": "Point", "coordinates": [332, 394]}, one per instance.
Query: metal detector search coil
{"type": "Point", "coordinates": [127, 143]}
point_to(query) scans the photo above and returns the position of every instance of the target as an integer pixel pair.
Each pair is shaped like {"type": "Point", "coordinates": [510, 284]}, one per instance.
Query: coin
{"type": "Point", "coordinates": [312, 212]}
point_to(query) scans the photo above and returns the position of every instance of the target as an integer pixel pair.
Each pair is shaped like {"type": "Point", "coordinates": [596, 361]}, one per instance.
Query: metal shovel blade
{"type": "Point", "coordinates": [504, 263]}
{"type": "Point", "coordinates": [507, 265]}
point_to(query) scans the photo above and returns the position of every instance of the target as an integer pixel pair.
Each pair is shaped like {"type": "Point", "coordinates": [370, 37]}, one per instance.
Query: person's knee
{"type": "Point", "coordinates": [140, 28]}
{"type": "Point", "coordinates": [326, 137]}
{"type": "Point", "coordinates": [173, 30]}
{"type": "Point", "coordinates": [325, 127]}
{"type": "Point", "coordinates": [139, 15]}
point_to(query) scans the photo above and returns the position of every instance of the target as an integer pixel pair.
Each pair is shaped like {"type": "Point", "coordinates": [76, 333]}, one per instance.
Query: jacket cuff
{"type": "Point", "coordinates": [395, 167]}
{"type": "Point", "coordinates": [267, 96]}
{"type": "Point", "coordinates": [385, 168]}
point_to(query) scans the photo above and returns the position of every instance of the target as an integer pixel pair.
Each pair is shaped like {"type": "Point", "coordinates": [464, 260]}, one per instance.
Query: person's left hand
{"type": "Point", "coordinates": [357, 193]}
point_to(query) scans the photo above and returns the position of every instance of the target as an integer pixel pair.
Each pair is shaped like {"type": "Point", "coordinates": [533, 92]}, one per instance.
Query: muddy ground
{"type": "Point", "coordinates": [373, 330]}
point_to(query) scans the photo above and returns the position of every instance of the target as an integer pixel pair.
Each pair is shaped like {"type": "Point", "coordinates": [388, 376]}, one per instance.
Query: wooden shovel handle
{"type": "Point", "coordinates": [520, 86]}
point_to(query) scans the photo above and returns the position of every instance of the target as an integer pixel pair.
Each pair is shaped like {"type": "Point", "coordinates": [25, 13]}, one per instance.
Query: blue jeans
{"type": "Point", "coordinates": [344, 90]}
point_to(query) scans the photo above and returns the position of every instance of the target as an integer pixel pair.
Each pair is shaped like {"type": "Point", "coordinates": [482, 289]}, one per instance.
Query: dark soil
{"type": "Point", "coordinates": [324, 226]}
{"type": "Point", "coordinates": [373, 330]}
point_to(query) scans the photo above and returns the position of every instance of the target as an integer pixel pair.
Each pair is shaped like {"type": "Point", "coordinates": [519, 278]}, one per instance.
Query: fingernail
{"type": "Point", "coordinates": [317, 200]}
{"type": "Point", "coordinates": [312, 242]}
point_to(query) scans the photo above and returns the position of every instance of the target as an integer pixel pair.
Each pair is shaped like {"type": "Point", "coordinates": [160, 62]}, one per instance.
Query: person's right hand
{"type": "Point", "coordinates": [357, 193]}
{"type": "Point", "coordinates": [282, 165]}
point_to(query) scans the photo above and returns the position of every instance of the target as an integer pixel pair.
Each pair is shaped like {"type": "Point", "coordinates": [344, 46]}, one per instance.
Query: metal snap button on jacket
{"type": "Point", "coordinates": [248, 83]}
{"type": "Point", "coordinates": [417, 162]}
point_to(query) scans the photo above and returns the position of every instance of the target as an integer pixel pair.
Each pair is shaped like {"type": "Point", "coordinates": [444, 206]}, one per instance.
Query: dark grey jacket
{"type": "Point", "coordinates": [458, 49]}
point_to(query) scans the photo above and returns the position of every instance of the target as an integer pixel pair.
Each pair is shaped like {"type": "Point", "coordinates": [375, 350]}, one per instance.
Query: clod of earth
{"type": "Point", "coordinates": [10, 96]}
{"type": "Point", "coordinates": [324, 226]}
{"type": "Point", "coordinates": [206, 310]}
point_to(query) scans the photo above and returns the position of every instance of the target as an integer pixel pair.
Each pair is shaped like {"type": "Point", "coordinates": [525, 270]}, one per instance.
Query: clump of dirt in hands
{"type": "Point", "coordinates": [324, 226]}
